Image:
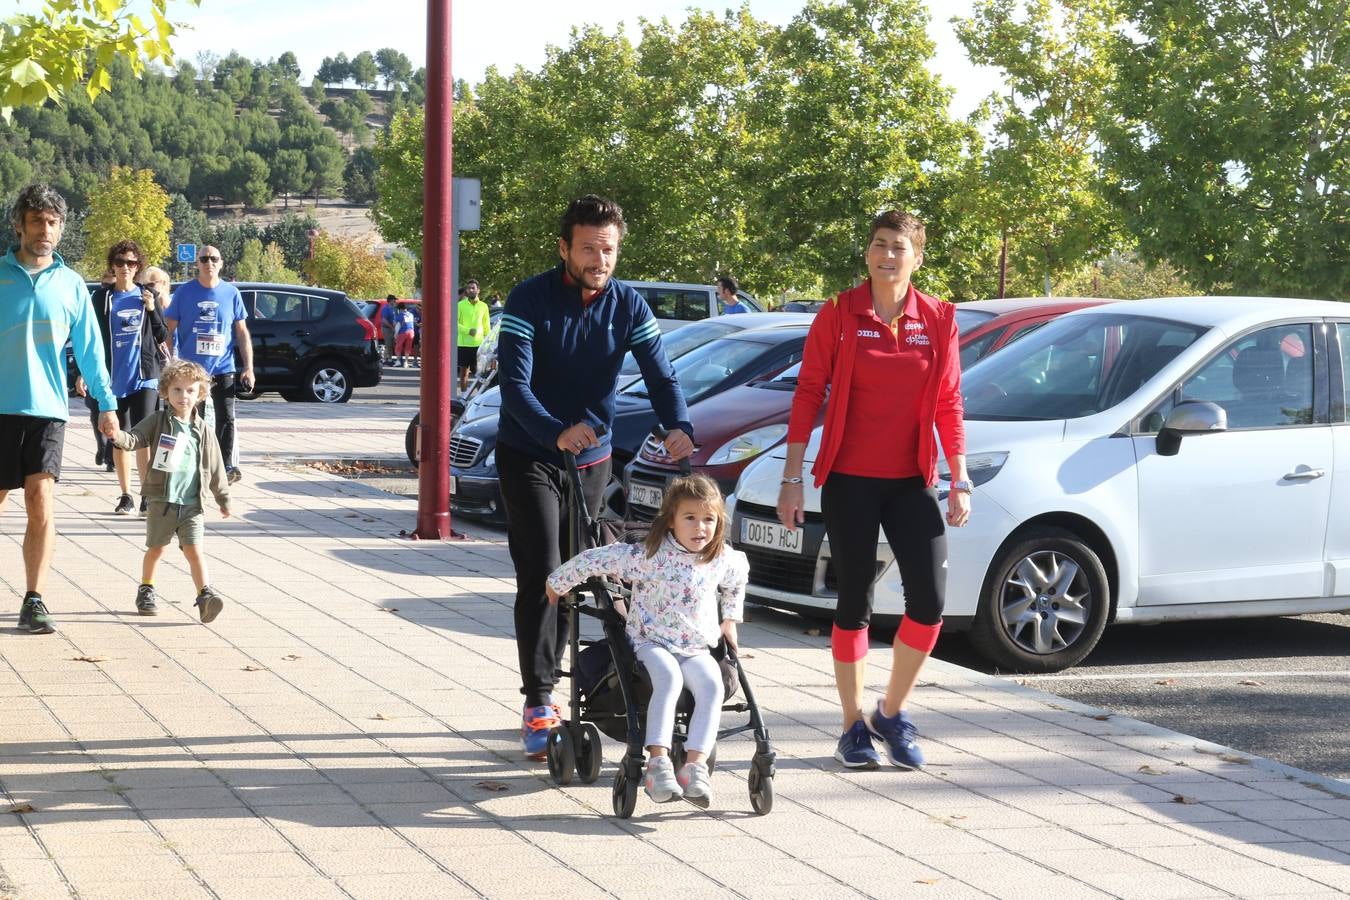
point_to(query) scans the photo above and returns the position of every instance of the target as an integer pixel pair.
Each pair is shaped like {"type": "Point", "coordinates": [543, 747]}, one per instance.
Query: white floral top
{"type": "Point", "coordinates": [675, 597]}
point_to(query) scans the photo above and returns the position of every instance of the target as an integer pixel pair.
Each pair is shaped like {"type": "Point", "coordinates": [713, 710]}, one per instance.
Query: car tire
{"type": "Point", "coordinates": [1045, 603]}
{"type": "Point", "coordinates": [327, 382]}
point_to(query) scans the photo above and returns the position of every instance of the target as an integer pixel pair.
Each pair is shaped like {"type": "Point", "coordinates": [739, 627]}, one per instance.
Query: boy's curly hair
{"type": "Point", "coordinates": [184, 370]}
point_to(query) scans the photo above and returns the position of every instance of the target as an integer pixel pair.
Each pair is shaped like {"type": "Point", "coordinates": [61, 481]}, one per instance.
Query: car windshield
{"type": "Point", "coordinates": [704, 368]}
{"type": "Point", "coordinates": [1075, 366]}
{"type": "Point", "coordinates": [967, 319]}
{"type": "Point", "coordinates": [681, 341]}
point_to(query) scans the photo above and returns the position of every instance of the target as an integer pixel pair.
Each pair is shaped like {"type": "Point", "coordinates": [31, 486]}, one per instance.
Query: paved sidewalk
{"type": "Point", "coordinates": [347, 728]}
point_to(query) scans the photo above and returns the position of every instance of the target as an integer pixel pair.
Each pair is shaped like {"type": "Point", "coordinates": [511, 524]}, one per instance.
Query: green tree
{"type": "Point", "coordinates": [249, 180]}
{"type": "Point", "coordinates": [395, 68]}
{"type": "Point", "coordinates": [291, 234]}
{"type": "Point", "coordinates": [348, 264]}
{"type": "Point", "coordinates": [363, 69]}
{"type": "Point", "coordinates": [334, 70]}
{"type": "Point", "coordinates": [1229, 149]}
{"type": "Point", "coordinates": [259, 263]}
{"type": "Point", "coordinates": [1124, 276]}
{"type": "Point", "coordinates": [397, 210]}
{"type": "Point", "coordinates": [402, 267]}
{"type": "Point", "coordinates": [358, 178]}
{"type": "Point", "coordinates": [289, 65]}
{"type": "Point", "coordinates": [44, 57]}
{"type": "Point", "coordinates": [289, 172]}
{"type": "Point", "coordinates": [128, 205]}
{"type": "Point", "coordinates": [1039, 182]}
{"type": "Point", "coordinates": [325, 169]}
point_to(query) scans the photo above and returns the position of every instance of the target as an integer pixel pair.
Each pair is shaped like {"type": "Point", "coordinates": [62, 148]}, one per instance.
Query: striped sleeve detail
{"type": "Point", "coordinates": [519, 327]}
{"type": "Point", "coordinates": [647, 331]}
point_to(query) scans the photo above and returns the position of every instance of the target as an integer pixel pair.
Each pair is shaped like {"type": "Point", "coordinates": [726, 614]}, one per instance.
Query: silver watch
{"type": "Point", "coordinates": [964, 487]}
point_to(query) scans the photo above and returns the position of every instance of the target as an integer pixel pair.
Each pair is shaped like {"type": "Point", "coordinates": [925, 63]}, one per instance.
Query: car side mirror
{"type": "Point", "coordinates": [1190, 417]}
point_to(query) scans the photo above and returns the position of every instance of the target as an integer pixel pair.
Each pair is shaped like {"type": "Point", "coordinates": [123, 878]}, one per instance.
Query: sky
{"type": "Point", "coordinates": [486, 33]}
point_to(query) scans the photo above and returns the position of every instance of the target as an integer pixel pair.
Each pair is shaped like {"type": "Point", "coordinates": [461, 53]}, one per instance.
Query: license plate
{"type": "Point", "coordinates": [645, 495]}
{"type": "Point", "coordinates": [771, 535]}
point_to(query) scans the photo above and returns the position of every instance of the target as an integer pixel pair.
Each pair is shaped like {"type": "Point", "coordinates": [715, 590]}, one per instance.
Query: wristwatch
{"type": "Point", "coordinates": [964, 487]}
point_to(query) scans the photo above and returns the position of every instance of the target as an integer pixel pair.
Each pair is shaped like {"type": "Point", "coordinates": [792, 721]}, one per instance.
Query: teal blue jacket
{"type": "Point", "coordinates": [38, 313]}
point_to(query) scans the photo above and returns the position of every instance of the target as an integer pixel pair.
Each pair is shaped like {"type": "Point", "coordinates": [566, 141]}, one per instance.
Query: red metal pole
{"type": "Point", "coordinates": [433, 474]}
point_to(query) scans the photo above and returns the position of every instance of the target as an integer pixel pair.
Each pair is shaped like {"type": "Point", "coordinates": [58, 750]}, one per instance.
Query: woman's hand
{"type": "Point", "coordinates": [958, 508]}
{"type": "Point", "coordinates": [81, 386]}
{"type": "Point", "coordinates": [790, 503]}
{"type": "Point", "coordinates": [148, 297]}
{"type": "Point", "coordinates": [729, 635]}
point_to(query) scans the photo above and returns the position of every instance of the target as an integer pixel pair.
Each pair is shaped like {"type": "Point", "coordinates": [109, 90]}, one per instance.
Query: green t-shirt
{"type": "Point", "coordinates": [185, 478]}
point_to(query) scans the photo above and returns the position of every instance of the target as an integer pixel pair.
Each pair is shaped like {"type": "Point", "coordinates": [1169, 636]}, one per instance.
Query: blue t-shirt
{"type": "Point", "coordinates": [206, 317]}
{"type": "Point", "coordinates": [406, 321]}
{"type": "Point", "coordinates": [732, 310]}
{"type": "Point", "coordinates": [126, 317]}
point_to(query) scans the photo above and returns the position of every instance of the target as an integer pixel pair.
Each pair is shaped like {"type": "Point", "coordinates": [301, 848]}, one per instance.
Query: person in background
{"type": "Point", "coordinates": [103, 448]}
{"type": "Point", "coordinates": [388, 326]}
{"type": "Point", "coordinates": [405, 325]}
{"type": "Point", "coordinates": [727, 292]}
{"type": "Point", "coordinates": [473, 320]}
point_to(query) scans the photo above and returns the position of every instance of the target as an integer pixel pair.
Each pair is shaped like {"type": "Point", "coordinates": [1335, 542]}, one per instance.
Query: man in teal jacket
{"type": "Point", "coordinates": [43, 303]}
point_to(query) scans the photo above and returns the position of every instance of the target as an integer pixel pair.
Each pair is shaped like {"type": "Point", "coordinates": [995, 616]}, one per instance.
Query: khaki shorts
{"type": "Point", "coordinates": [163, 520]}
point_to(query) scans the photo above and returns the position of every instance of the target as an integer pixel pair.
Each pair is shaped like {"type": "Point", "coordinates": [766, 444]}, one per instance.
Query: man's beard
{"type": "Point", "coordinates": [589, 282]}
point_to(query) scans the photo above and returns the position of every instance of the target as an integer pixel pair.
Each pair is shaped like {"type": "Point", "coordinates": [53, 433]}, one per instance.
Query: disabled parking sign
{"type": "Point", "coordinates": [187, 253]}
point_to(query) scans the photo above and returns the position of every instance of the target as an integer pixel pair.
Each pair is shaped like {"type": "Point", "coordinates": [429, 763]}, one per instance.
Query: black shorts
{"type": "Point", "coordinates": [467, 358]}
{"type": "Point", "coordinates": [29, 445]}
{"type": "Point", "coordinates": [136, 406]}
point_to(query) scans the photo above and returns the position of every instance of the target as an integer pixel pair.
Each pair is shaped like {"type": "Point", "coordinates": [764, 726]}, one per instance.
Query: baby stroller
{"type": "Point", "coordinates": [610, 688]}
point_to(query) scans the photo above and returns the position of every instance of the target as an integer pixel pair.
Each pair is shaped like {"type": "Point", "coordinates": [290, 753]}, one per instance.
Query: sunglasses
{"type": "Point", "coordinates": [127, 262]}
{"type": "Point", "coordinates": [208, 259]}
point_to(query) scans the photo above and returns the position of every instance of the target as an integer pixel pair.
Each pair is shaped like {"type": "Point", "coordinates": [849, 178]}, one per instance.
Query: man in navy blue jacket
{"type": "Point", "coordinates": [563, 338]}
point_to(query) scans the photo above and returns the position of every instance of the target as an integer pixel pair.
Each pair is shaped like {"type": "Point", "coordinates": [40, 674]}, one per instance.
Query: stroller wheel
{"type": "Point", "coordinates": [625, 790]}
{"type": "Point", "coordinates": [589, 753]}
{"type": "Point", "coordinates": [761, 791]}
{"type": "Point", "coordinates": [562, 761]}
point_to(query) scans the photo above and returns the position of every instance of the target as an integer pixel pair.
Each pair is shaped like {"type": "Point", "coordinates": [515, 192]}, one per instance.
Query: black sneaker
{"type": "Point", "coordinates": [34, 618]}
{"type": "Point", "coordinates": [124, 505]}
{"type": "Point", "coordinates": [98, 455]}
{"type": "Point", "coordinates": [209, 604]}
{"type": "Point", "coordinates": [146, 599]}
{"type": "Point", "coordinates": [234, 476]}
{"type": "Point", "coordinates": [145, 505]}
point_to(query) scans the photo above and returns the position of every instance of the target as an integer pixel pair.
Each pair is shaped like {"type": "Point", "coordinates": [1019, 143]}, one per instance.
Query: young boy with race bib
{"type": "Point", "coordinates": [185, 463]}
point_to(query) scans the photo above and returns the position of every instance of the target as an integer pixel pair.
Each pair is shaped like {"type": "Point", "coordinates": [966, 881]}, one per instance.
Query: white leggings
{"type": "Point", "coordinates": [671, 672]}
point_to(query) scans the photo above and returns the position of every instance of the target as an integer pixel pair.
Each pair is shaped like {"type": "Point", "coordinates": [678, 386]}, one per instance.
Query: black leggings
{"type": "Point", "coordinates": [535, 495]}
{"type": "Point", "coordinates": [136, 406]}
{"type": "Point", "coordinates": [222, 395]}
{"type": "Point", "coordinates": [907, 511]}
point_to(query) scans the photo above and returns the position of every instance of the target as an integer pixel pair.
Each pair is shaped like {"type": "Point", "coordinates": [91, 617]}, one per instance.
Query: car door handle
{"type": "Point", "coordinates": [1303, 473]}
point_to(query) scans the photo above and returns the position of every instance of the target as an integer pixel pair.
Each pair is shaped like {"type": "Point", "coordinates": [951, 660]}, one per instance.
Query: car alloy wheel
{"type": "Point", "coordinates": [328, 383]}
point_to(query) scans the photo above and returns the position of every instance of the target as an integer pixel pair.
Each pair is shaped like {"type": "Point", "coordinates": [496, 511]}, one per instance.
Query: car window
{"type": "Point", "coordinates": [704, 368]}
{"type": "Point", "coordinates": [1343, 332]}
{"type": "Point", "coordinates": [317, 308]}
{"type": "Point", "coordinates": [1072, 367]}
{"type": "Point", "coordinates": [1262, 380]}
{"type": "Point", "coordinates": [278, 306]}
{"type": "Point", "coordinates": [687, 305]}
{"type": "Point", "coordinates": [967, 319]}
{"type": "Point", "coordinates": [680, 341]}
{"type": "Point", "coordinates": [974, 349]}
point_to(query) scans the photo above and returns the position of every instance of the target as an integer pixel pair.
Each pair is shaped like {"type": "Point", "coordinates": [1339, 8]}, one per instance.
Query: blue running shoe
{"type": "Point", "coordinates": [535, 726]}
{"type": "Point", "coordinates": [855, 748]}
{"type": "Point", "coordinates": [897, 734]}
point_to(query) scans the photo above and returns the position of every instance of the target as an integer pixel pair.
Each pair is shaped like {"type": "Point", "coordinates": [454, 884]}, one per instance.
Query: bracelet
{"type": "Point", "coordinates": [796, 480]}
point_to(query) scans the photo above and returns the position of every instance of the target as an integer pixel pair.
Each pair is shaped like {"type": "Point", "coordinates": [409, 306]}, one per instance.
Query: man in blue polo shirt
{"type": "Point", "coordinates": [42, 304]}
{"type": "Point", "coordinates": [563, 338]}
{"type": "Point", "coordinates": [208, 317]}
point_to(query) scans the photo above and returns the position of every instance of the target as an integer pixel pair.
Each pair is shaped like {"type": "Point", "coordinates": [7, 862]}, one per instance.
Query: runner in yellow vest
{"type": "Point", "coordinates": [472, 317]}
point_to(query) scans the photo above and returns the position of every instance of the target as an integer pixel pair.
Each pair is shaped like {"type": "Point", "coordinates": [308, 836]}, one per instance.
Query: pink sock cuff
{"type": "Point", "coordinates": [920, 637]}
{"type": "Point", "coordinates": [848, 645]}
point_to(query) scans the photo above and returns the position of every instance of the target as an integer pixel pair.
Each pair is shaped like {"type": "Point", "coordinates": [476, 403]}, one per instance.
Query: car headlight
{"type": "Point", "coordinates": [752, 443]}
{"type": "Point", "coordinates": [980, 467]}
{"type": "Point", "coordinates": [490, 461]}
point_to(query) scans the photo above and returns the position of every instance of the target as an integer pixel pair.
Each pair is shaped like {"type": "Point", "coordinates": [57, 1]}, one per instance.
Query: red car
{"type": "Point", "coordinates": [736, 426]}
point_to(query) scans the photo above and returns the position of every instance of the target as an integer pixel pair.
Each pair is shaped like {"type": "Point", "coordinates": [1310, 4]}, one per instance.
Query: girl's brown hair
{"type": "Point", "coordinates": [700, 489]}
{"type": "Point", "coordinates": [184, 370]}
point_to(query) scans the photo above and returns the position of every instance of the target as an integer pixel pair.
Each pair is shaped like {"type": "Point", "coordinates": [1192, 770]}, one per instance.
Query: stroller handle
{"type": "Point", "coordinates": [660, 434]}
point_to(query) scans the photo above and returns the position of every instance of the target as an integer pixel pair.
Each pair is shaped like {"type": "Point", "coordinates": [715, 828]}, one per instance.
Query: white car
{"type": "Point", "coordinates": [1159, 460]}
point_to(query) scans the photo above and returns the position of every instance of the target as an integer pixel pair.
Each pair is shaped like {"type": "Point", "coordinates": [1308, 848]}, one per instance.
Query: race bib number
{"type": "Point", "coordinates": [210, 344]}
{"type": "Point", "coordinates": [169, 453]}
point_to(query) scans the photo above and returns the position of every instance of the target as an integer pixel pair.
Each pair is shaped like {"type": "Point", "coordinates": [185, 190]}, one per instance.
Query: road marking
{"type": "Point", "coordinates": [1142, 676]}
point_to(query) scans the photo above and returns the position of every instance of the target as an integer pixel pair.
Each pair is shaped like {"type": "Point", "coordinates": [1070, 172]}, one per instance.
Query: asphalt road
{"type": "Point", "coordinates": [1278, 688]}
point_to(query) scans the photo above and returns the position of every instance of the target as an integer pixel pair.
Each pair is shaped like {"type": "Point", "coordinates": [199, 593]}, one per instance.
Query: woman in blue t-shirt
{"type": "Point", "coordinates": [133, 330]}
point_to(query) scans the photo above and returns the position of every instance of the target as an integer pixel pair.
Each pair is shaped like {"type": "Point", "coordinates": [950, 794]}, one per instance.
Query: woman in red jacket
{"type": "Point", "coordinates": [890, 357]}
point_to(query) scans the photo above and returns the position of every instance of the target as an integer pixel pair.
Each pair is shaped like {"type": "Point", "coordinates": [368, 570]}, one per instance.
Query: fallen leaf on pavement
{"type": "Point", "coordinates": [291, 657]}
{"type": "Point", "coordinates": [1102, 717]}
{"type": "Point", "coordinates": [1252, 682]}
{"type": "Point", "coordinates": [255, 668]}
{"type": "Point", "coordinates": [21, 808]}
{"type": "Point", "coordinates": [90, 659]}
{"type": "Point", "coordinates": [493, 786]}
{"type": "Point", "coordinates": [381, 716]}
{"type": "Point", "coordinates": [1166, 681]}
{"type": "Point", "coordinates": [1232, 758]}
{"type": "Point", "coordinates": [388, 609]}
{"type": "Point", "coordinates": [1149, 770]}
{"type": "Point", "coordinates": [1182, 798]}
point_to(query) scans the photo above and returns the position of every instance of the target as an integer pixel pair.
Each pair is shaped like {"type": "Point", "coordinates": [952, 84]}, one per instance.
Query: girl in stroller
{"type": "Point", "coordinates": [688, 591]}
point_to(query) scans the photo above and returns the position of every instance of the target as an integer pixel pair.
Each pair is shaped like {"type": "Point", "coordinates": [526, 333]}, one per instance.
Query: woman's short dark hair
{"type": "Point", "coordinates": [37, 198]}
{"type": "Point", "coordinates": [121, 247]}
{"type": "Point", "coordinates": [592, 209]}
{"type": "Point", "coordinates": [731, 284]}
{"type": "Point", "coordinates": [907, 224]}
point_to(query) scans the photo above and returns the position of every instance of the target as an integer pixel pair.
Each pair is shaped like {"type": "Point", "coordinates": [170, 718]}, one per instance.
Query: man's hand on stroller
{"type": "Point", "coordinates": [729, 634]}
{"type": "Point", "coordinates": [678, 445]}
{"type": "Point", "coordinates": [577, 438]}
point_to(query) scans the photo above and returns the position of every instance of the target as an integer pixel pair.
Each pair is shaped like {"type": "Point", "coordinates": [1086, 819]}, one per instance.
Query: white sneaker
{"type": "Point", "coordinates": [660, 783]}
{"type": "Point", "coordinates": [697, 784]}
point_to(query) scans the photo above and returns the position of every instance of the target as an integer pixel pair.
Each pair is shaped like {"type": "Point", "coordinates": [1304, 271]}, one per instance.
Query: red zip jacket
{"type": "Point", "coordinates": [828, 362]}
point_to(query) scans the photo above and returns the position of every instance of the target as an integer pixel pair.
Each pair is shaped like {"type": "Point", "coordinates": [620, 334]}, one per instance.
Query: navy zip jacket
{"type": "Point", "coordinates": [559, 364]}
